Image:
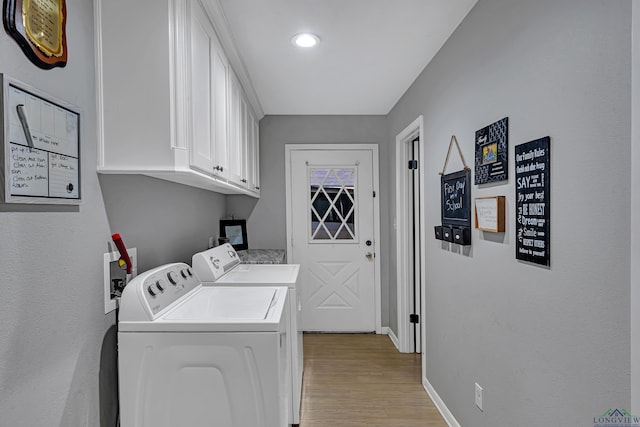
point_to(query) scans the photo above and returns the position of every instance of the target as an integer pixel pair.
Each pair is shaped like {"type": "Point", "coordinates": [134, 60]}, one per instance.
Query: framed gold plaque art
{"type": "Point", "coordinates": [39, 28]}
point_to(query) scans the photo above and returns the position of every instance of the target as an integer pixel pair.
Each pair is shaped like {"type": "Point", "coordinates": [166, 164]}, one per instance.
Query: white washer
{"type": "Point", "coordinates": [202, 356]}
{"type": "Point", "coordinates": [222, 266]}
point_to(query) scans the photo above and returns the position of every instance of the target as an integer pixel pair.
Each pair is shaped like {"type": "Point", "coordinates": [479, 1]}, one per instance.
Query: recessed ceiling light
{"type": "Point", "coordinates": [305, 40]}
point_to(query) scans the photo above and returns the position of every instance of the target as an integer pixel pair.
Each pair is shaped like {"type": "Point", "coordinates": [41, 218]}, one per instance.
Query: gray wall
{"type": "Point", "coordinates": [635, 213]}
{"type": "Point", "coordinates": [546, 345]}
{"type": "Point", "coordinates": [168, 222]}
{"type": "Point", "coordinates": [266, 224]}
{"type": "Point", "coordinates": [549, 346]}
{"type": "Point", "coordinates": [57, 348]}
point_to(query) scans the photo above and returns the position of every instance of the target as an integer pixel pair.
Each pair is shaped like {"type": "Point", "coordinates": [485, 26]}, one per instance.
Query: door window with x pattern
{"type": "Point", "coordinates": [332, 204]}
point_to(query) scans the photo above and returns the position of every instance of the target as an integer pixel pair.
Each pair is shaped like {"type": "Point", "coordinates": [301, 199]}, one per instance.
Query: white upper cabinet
{"type": "Point", "coordinates": [202, 92]}
{"type": "Point", "coordinates": [168, 99]}
{"type": "Point", "coordinates": [243, 137]}
{"type": "Point", "coordinates": [252, 160]}
{"type": "Point", "coordinates": [220, 71]}
{"type": "Point", "coordinates": [236, 147]}
{"type": "Point", "coordinates": [209, 71]}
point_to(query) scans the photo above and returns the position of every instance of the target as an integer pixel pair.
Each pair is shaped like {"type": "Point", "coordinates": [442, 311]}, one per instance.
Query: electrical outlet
{"type": "Point", "coordinates": [479, 397]}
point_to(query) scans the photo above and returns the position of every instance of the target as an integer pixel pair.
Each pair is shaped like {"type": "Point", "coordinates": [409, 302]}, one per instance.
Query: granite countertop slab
{"type": "Point", "coordinates": [262, 256]}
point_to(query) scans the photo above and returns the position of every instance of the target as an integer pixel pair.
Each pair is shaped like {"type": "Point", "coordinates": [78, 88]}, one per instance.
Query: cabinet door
{"type": "Point", "coordinates": [202, 91]}
{"type": "Point", "coordinates": [253, 155]}
{"type": "Point", "coordinates": [209, 70]}
{"type": "Point", "coordinates": [256, 155]}
{"type": "Point", "coordinates": [236, 145]}
{"type": "Point", "coordinates": [246, 146]}
{"type": "Point", "coordinates": [220, 73]}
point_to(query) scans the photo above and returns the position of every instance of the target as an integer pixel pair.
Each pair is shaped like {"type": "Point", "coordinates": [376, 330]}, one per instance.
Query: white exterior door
{"type": "Point", "coordinates": [332, 235]}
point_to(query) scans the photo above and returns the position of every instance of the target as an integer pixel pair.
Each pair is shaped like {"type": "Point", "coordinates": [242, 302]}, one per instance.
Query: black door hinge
{"type": "Point", "coordinates": [414, 318]}
{"type": "Point", "coordinates": [413, 164]}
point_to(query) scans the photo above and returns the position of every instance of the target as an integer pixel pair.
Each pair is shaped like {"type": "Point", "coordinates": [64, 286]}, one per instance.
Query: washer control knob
{"type": "Point", "coordinates": [189, 272]}
{"type": "Point", "coordinates": [151, 291]}
{"type": "Point", "coordinates": [173, 277]}
{"type": "Point", "coordinates": [159, 286]}
{"type": "Point", "coordinates": [183, 273]}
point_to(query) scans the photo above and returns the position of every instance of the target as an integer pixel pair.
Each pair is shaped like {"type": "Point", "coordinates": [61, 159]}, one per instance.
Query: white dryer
{"type": "Point", "coordinates": [222, 266]}
{"type": "Point", "coordinates": [202, 356]}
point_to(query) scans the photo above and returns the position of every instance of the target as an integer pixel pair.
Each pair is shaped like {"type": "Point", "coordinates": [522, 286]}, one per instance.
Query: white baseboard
{"type": "Point", "coordinates": [444, 411]}
{"type": "Point", "coordinates": [394, 339]}
{"type": "Point", "coordinates": [437, 401]}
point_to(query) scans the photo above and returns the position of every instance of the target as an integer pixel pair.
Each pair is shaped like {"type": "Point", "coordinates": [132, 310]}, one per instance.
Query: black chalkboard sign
{"type": "Point", "coordinates": [455, 195]}
{"type": "Point", "coordinates": [533, 201]}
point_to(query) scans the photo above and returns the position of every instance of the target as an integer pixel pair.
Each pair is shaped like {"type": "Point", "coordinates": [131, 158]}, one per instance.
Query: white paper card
{"type": "Point", "coordinates": [487, 213]}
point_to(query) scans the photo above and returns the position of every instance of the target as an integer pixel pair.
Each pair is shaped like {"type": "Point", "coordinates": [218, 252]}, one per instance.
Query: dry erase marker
{"type": "Point", "coordinates": [25, 124]}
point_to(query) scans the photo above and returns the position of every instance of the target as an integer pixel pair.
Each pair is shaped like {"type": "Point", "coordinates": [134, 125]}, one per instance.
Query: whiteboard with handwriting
{"type": "Point", "coordinates": [41, 147]}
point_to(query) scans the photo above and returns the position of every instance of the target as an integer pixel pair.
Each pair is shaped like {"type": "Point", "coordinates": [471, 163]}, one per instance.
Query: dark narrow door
{"type": "Point", "coordinates": [415, 240]}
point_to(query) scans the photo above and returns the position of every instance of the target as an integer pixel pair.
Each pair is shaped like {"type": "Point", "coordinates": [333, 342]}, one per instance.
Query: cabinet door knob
{"type": "Point", "coordinates": [243, 180]}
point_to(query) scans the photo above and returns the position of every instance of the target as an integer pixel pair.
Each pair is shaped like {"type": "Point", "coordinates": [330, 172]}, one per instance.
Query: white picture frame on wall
{"type": "Point", "coordinates": [489, 213]}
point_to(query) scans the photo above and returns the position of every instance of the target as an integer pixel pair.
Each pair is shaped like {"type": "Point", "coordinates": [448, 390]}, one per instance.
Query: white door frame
{"type": "Point", "coordinates": [403, 263]}
{"type": "Point", "coordinates": [288, 148]}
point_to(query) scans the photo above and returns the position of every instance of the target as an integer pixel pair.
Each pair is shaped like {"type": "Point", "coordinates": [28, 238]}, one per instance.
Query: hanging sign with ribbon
{"type": "Point", "coordinates": [455, 193]}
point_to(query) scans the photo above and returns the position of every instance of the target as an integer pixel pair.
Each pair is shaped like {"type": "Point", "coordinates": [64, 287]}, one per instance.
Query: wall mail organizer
{"type": "Point", "coordinates": [455, 194]}
{"type": "Point", "coordinates": [39, 147]}
{"type": "Point", "coordinates": [490, 213]}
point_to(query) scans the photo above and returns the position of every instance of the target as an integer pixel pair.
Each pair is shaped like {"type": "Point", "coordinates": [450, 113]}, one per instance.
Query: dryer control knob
{"type": "Point", "coordinates": [189, 272]}
{"type": "Point", "coordinates": [173, 277]}
{"type": "Point", "coordinates": [159, 286]}
{"type": "Point", "coordinates": [151, 291]}
{"type": "Point", "coordinates": [183, 273]}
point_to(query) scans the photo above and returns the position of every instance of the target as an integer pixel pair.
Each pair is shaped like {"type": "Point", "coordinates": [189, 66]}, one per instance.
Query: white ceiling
{"type": "Point", "coordinates": [370, 50]}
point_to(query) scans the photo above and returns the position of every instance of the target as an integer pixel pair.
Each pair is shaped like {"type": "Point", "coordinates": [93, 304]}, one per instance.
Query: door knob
{"type": "Point", "coordinates": [369, 255]}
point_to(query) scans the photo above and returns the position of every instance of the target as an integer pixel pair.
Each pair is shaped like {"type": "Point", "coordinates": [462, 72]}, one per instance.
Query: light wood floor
{"type": "Point", "coordinates": [354, 380]}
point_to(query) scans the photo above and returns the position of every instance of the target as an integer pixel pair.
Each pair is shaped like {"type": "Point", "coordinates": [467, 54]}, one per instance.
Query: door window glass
{"type": "Point", "coordinates": [333, 208]}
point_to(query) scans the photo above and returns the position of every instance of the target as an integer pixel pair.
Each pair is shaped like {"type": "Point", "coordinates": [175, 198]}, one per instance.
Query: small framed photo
{"type": "Point", "coordinates": [236, 231]}
{"type": "Point", "coordinates": [490, 153]}
{"type": "Point", "coordinates": [492, 149]}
